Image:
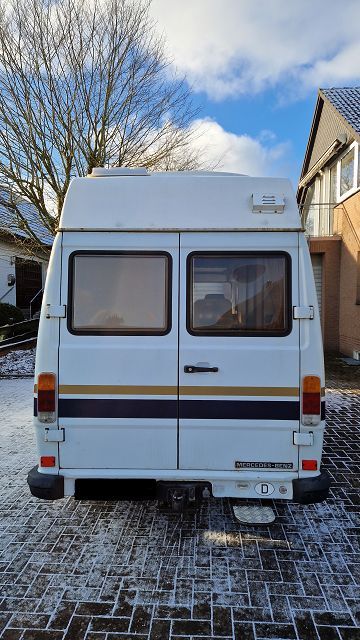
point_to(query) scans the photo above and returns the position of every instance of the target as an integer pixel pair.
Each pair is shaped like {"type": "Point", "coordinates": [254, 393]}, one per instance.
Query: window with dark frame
{"type": "Point", "coordinates": [239, 294]}
{"type": "Point", "coordinates": [120, 293]}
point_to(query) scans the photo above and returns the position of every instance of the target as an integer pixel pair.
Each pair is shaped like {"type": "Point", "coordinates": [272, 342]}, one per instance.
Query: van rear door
{"type": "Point", "coordinates": [118, 359]}
{"type": "Point", "coordinates": [239, 351]}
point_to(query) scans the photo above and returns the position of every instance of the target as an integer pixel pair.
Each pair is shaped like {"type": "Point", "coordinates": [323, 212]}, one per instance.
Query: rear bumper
{"type": "Point", "coordinates": [45, 485]}
{"type": "Point", "coordinates": [305, 490]}
{"type": "Point", "coordinates": [311, 490]}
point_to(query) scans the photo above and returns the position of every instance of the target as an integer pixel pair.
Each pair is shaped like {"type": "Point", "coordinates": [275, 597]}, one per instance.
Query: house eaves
{"type": "Point", "coordinates": [352, 134]}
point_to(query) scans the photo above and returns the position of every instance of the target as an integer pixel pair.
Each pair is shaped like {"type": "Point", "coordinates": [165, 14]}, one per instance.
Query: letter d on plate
{"type": "Point", "coordinates": [264, 489]}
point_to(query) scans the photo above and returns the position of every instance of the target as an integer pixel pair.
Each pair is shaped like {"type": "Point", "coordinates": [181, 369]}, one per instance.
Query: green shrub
{"type": "Point", "coordinates": [9, 314]}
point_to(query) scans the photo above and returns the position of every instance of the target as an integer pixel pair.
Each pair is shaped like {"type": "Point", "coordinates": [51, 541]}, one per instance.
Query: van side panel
{"type": "Point", "coordinates": [47, 352]}
{"type": "Point", "coordinates": [311, 353]}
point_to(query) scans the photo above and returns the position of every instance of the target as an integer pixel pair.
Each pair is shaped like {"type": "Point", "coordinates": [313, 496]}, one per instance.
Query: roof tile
{"type": "Point", "coordinates": [347, 102]}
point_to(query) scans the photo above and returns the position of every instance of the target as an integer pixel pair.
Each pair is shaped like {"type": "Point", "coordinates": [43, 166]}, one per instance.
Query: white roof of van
{"type": "Point", "coordinates": [123, 199]}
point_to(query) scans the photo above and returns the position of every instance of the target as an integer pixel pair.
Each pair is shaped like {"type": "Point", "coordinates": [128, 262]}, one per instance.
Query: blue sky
{"type": "Point", "coordinates": [255, 67]}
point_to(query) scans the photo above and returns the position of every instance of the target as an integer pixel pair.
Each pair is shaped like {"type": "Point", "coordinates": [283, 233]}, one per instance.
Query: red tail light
{"type": "Point", "coordinates": [47, 461]}
{"type": "Point", "coordinates": [309, 465]}
{"type": "Point", "coordinates": [46, 402]}
{"type": "Point", "coordinates": [311, 403]}
{"type": "Point", "coordinates": [311, 400]}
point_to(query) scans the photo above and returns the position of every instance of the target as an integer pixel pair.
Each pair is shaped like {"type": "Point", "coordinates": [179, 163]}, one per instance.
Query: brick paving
{"type": "Point", "coordinates": [74, 570]}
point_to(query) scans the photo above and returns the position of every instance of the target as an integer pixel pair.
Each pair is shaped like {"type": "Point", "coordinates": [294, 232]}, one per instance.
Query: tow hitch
{"type": "Point", "coordinates": [179, 495]}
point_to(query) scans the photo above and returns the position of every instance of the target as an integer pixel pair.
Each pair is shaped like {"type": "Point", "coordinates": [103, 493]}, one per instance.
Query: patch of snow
{"type": "Point", "coordinates": [18, 363]}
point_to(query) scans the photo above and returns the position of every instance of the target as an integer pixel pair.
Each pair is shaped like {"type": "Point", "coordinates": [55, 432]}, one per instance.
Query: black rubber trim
{"type": "Point", "coordinates": [311, 490]}
{"type": "Point", "coordinates": [45, 485]}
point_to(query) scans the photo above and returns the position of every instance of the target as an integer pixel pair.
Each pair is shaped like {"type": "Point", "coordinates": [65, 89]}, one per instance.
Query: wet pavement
{"type": "Point", "coordinates": [73, 570]}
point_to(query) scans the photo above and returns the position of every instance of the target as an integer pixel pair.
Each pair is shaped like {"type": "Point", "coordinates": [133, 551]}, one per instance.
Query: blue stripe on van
{"type": "Point", "coordinates": [189, 409]}
{"type": "Point", "coordinates": [113, 408]}
{"type": "Point", "coordinates": [240, 409]}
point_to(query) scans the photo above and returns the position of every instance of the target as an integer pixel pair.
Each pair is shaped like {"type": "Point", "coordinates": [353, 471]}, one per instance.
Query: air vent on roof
{"type": "Point", "coordinates": [102, 172]}
{"type": "Point", "coordinates": [268, 203]}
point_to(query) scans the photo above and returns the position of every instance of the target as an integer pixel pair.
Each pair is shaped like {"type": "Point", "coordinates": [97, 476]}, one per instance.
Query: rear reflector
{"type": "Point", "coordinates": [311, 400]}
{"type": "Point", "coordinates": [46, 402]}
{"type": "Point", "coordinates": [309, 465]}
{"type": "Point", "coordinates": [47, 461]}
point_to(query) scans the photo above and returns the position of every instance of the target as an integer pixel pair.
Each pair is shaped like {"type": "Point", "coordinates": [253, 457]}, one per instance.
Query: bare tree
{"type": "Point", "coordinates": [83, 84]}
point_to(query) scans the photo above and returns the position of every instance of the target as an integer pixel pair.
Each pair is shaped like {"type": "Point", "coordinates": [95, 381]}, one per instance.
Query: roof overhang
{"type": "Point", "coordinates": [338, 143]}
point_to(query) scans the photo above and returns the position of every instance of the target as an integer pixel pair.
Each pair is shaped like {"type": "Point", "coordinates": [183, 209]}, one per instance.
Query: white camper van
{"type": "Point", "coordinates": [179, 348]}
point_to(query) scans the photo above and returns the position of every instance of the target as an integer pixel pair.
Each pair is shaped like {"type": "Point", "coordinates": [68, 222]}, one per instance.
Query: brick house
{"type": "Point", "coordinates": [329, 199]}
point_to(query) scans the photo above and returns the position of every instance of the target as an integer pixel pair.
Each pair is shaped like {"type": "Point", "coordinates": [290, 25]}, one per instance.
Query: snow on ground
{"type": "Point", "coordinates": [85, 570]}
{"type": "Point", "coordinates": [18, 363]}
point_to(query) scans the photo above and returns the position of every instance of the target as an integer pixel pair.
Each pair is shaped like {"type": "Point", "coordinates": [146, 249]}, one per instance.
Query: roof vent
{"type": "Point", "coordinates": [268, 203]}
{"type": "Point", "coordinates": [102, 172]}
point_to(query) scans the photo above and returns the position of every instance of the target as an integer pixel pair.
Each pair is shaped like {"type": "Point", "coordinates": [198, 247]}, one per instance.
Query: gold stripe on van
{"type": "Point", "coordinates": [91, 389]}
{"type": "Point", "coordinates": [239, 391]}
{"type": "Point", "coordinates": [118, 390]}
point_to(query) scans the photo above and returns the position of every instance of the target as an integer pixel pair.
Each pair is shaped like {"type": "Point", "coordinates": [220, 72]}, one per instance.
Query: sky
{"type": "Point", "coordinates": [255, 67]}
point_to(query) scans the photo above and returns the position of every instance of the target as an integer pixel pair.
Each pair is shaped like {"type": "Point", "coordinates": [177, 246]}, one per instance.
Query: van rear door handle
{"type": "Point", "coordinates": [189, 368]}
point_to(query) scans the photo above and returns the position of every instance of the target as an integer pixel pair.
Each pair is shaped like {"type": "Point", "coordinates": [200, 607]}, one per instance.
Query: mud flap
{"type": "Point", "coordinates": [311, 490]}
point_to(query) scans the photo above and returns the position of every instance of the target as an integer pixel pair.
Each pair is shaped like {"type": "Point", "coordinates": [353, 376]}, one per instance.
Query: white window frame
{"type": "Point", "coordinates": [356, 186]}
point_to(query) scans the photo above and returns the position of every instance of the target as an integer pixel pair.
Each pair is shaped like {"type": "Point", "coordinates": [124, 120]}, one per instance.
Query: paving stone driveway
{"type": "Point", "coordinates": [73, 570]}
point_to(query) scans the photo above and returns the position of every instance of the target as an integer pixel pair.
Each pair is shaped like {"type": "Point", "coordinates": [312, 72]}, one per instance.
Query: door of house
{"type": "Point", "coordinates": [28, 274]}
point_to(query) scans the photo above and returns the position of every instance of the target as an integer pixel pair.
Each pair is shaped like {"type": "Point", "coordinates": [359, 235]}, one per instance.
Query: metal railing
{"type": "Point", "coordinates": [33, 300]}
{"type": "Point", "coordinates": [319, 219]}
{"type": "Point", "coordinates": [18, 332]}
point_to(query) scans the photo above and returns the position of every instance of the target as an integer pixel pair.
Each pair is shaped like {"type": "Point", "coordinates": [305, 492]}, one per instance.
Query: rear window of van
{"type": "Point", "coordinates": [239, 294]}
{"type": "Point", "coordinates": [119, 293]}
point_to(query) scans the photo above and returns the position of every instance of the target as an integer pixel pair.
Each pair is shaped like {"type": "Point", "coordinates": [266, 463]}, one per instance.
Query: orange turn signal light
{"type": "Point", "coordinates": [311, 384]}
{"type": "Point", "coordinates": [311, 398]}
{"type": "Point", "coordinates": [46, 392]}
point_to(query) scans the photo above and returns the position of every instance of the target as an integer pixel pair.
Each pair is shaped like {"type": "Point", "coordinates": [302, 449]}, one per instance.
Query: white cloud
{"type": "Point", "coordinates": [233, 47]}
{"type": "Point", "coordinates": [227, 151]}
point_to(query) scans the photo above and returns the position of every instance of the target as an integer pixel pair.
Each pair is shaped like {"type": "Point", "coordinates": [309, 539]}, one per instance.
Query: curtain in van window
{"type": "Point", "coordinates": [263, 307]}
{"type": "Point", "coordinates": [120, 293]}
{"type": "Point", "coordinates": [239, 293]}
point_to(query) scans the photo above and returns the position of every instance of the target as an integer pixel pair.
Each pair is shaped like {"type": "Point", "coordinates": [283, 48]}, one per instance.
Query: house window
{"type": "Point", "coordinates": [347, 164]}
{"type": "Point", "coordinates": [333, 184]}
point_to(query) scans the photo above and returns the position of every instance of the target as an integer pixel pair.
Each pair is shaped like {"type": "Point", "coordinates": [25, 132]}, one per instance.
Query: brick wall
{"type": "Point", "coordinates": [349, 317]}
{"type": "Point", "coordinates": [330, 249]}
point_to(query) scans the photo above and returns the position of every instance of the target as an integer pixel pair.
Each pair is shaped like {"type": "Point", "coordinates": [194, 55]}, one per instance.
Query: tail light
{"type": "Point", "coordinates": [47, 461]}
{"type": "Point", "coordinates": [46, 403]}
{"type": "Point", "coordinates": [311, 400]}
{"type": "Point", "coordinates": [309, 465]}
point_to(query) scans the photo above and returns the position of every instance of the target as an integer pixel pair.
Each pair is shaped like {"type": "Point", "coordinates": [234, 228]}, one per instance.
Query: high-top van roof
{"type": "Point", "coordinates": [121, 199]}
